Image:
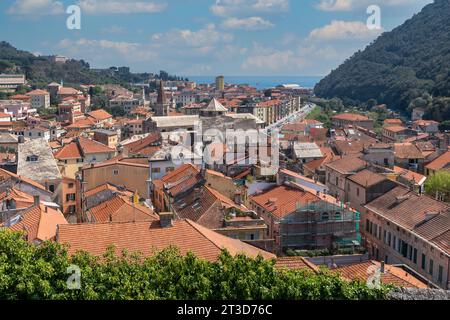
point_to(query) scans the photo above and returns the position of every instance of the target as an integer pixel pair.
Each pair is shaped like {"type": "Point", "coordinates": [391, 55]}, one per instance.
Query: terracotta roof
{"type": "Point", "coordinates": [181, 179]}
{"type": "Point", "coordinates": [295, 263]}
{"type": "Point", "coordinates": [367, 178]}
{"type": "Point", "coordinates": [296, 127]}
{"type": "Point", "coordinates": [442, 162]}
{"type": "Point", "coordinates": [149, 237]}
{"type": "Point", "coordinates": [4, 174]}
{"type": "Point", "coordinates": [40, 223]}
{"type": "Point", "coordinates": [99, 115]}
{"type": "Point", "coordinates": [411, 176]}
{"type": "Point", "coordinates": [392, 275]}
{"type": "Point", "coordinates": [282, 200]}
{"type": "Point", "coordinates": [120, 209]}
{"type": "Point", "coordinates": [68, 91]}
{"type": "Point", "coordinates": [82, 123]}
{"type": "Point", "coordinates": [22, 200]}
{"type": "Point", "coordinates": [269, 103]}
{"type": "Point", "coordinates": [396, 129]}
{"type": "Point", "coordinates": [420, 214]}
{"type": "Point", "coordinates": [89, 146]}
{"type": "Point", "coordinates": [145, 146]}
{"type": "Point", "coordinates": [393, 121]}
{"type": "Point", "coordinates": [425, 122]}
{"type": "Point", "coordinates": [37, 92]}
{"type": "Point", "coordinates": [351, 117]}
{"type": "Point", "coordinates": [22, 97]}
{"type": "Point", "coordinates": [348, 167]}
{"type": "Point", "coordinates": [69, 151]}
{"type": "Point", "coordinates": [345, 147]}
{"type": "Point", "coordinates": [407, 151]}
{"type": "Point", "coordinates": [107, 186]}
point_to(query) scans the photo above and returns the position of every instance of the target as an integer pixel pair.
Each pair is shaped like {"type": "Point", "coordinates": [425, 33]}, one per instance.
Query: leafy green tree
{"type": "Point", "coordinates": [438, 185]}
{"type": "Point", "coordinates": [40, 272]}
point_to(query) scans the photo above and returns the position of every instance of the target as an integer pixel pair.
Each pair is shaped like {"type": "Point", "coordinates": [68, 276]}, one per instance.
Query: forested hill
{"type": "Point", "coordinates": [410, 62]}
{"type": "Point", "coordinates": [41, 70]}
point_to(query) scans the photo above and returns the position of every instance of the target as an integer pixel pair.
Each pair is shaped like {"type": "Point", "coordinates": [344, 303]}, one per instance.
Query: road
{"type": "Point", "coordinates": [299, 115]}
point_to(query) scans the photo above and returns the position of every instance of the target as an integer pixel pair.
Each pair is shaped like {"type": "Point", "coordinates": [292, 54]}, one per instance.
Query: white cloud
{"type": "Point", "coordinates": [349, 5]}
{"type": "Point", "coordinates": [120, 6]}
{"type": "Point", "coordinates": [343, 30]}
{"type": "Point", "coordinates": [238, 7]}
{"type": "Point", "coordinates": [202, 38]}
{"type": "Point", "coordinates": [100, 52]}
{"type": "Point", "coordinates": [36, 7]}
{"type": "Point", "coordinates": [249, 24]}
{"type": "Point", "coordinates": [264, 60]}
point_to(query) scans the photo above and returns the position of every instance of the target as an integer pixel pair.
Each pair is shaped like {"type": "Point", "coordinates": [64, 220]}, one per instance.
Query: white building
{"type": "Point", "coordinates": [11, 81]}
{"type": "Point", "coordinates": [39, 99]}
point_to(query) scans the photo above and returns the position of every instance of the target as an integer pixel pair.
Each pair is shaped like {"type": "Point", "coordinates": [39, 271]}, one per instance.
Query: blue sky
{"type": "Point", "coordinates": [203, 37]}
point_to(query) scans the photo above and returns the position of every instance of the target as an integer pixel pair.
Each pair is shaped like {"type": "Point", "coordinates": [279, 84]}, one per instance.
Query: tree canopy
{"type": "Point", "coordinates": [438, 185]}
{"type": "Point", "coordinates": [40, 272]}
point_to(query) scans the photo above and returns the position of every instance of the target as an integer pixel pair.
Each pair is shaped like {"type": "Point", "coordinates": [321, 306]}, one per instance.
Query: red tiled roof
{"type": "Point", "coordinates": [22, 200]}
{"type": "Point", "coordinates": [149, 237]}
{"type": "Point", "coordinates": [68, 91]}
{"type": "Point", "coordinates": [282, 200]}
{"type": "Point", "coordinates": [347, 166]}
{"type": "Point", "coordinates": [37, 92]}
{"type": "Point", "coordinates": [442, 162]}
{"type": "Point", "coordinates": [89, 146]}
{"type": "Point", "coordinates": [4, 175]}
{"type": "Point", "coordinates": [40, 223]}
{"type": "Point", "coordinates": [295, 263]}
{"type": "Point", "coordinates": [420, 214]}
{"type": "Point", "coordinates": [107, 186]}
{"type": "Point", "coordinates": [367, 178]}
{"type": "Point", "coordinates": [99, 115]}
{"type": "Point", "coordinates": [407, 151]}
{"type": "Point", "coordinates": [69, 151]}
{"type": "Point", "coordinates": [82, 123]}
{"type": "Point", "coordinates": [351, 117]}
{"type": "Point", "coordinates": [120, 209]}
{"type": "Point", "coordinates": [139, 145]}
{"type": "Point", "coordinates": [411, 176]}
{"type": "Point", "coordinates": [392, 275]}
{"type": "Point", "coordinates": [182, 179]}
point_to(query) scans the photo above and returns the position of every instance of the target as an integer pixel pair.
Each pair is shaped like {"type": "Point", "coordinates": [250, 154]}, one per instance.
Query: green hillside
{"type": "Point", "coordinates": [403, 68]}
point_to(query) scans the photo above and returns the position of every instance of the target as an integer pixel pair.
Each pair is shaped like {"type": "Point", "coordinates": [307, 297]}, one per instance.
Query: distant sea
{"type": "Point", "coordinates": [261, 82]}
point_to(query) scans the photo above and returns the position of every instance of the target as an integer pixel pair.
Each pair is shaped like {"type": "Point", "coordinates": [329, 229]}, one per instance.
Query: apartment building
{"type": "Point", "coordinates": [39, 99]}
{"type": "Point", "coordinates": [351, 119]}
{"type": "Point", "coordinates": [336, 174]}
{"type": "Point", "coordinates": [11, 81]}
{"type": "Point", "coordinates": [403, 227]}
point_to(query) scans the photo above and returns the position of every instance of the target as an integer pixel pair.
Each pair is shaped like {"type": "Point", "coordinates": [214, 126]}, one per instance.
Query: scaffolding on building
{"type": "Point", "coordinates": [319, 225]}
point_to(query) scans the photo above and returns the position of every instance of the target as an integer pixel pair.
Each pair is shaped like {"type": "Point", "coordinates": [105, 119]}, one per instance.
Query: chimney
{"type": "Point", "coordinates": [166, 218]}
{"type": "Point", "coordinates": [37, 200]}
{"type": "Point", "coordinates": [382, 267]}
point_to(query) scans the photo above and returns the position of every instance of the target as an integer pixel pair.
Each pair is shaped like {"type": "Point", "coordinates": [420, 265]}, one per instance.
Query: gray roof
{"type": "Point", "coordinates": [105, 132]}
{"type": "Point", "coordinates": [307, 150]}
{"type": "Point", "coordinates": [176, 121]}
{"type": "Point", "coordinates": [215, 106]}
{"type": "Point", "coordinates": [8, 138]}
{"type": "Point", "coordinates": [44, 169]}
{"type": "Point", "coordinates": [245, 116]}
